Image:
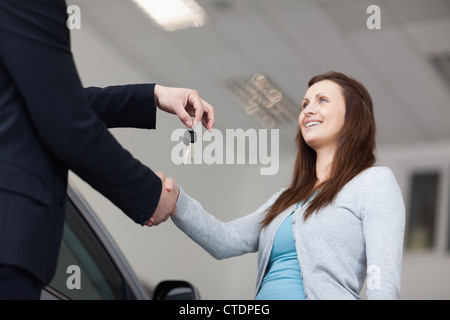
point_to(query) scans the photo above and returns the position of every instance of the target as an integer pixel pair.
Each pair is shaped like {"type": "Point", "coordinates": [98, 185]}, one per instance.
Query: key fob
{"type": "Point", "coordinates": [190, 136]}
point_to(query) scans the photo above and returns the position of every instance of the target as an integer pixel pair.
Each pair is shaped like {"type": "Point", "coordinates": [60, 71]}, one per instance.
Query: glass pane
{"type": "Point", "coordinates": [420, 232]}
{"type": "Point", "coordinates": [99, 276]}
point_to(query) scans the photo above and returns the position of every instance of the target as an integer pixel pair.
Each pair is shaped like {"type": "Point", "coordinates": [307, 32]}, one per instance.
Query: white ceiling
{"type": "Point", "coordinates": [289, 41]}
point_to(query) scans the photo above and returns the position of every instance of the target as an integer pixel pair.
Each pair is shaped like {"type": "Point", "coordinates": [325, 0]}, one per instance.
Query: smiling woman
{"type": "Point", "coordinates": [339, 146]}
{"type": "Point", "coordinates": [340, 221]}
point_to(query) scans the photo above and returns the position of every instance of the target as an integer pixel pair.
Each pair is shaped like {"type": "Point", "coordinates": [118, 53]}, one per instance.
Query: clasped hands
{"type": "Point", "coordinates": [167, 205]}
{"type": "Point", "coordinates": [185, 103]}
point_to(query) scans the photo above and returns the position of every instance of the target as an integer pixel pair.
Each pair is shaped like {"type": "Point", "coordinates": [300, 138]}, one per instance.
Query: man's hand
{"type": "Point", "coordinates": [167, 205]}
{"type": "Point", "coordinates": [185, 103]}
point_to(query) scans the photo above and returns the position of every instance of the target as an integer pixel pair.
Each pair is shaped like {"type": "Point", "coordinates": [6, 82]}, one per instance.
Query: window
{"type": "Point", "coordinates": [420, 231]}
{"type": "Point", "coordinates": [99, 276]}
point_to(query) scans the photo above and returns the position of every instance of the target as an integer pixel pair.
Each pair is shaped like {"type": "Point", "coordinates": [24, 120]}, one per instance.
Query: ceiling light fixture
{"type": "Point", "coordinates": [173, 15]}
{"type": "Point", "coordinates": [261, 99]}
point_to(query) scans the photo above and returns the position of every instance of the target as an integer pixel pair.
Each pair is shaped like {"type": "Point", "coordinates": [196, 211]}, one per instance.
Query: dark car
{"type": "Point", "coordinates": [91, 265]}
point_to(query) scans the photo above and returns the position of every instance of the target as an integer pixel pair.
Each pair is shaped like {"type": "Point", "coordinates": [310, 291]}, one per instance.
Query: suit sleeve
{"type": "Point", "coordinates": [130, 106]}
{"type": "Point", "coordinates": [35, 48]}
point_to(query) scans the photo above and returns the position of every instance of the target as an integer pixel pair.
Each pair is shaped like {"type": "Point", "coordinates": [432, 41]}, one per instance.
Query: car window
{"type": "Point", "coordinates": [85, 269]}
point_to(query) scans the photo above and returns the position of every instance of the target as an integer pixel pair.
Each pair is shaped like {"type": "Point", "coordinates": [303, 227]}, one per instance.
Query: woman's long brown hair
{"type": "Point", "coordinates": [355, 152]}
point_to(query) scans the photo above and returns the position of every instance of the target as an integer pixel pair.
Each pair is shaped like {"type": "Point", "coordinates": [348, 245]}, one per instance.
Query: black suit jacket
{"type": "Point", "coordinates": [49, 124]}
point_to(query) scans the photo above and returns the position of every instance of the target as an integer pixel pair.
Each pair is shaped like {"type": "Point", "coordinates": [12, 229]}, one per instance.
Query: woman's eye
{"type": "Point", "coordinates": [304, 105]}
{"type": "Point", "coordinates": [323, 100]}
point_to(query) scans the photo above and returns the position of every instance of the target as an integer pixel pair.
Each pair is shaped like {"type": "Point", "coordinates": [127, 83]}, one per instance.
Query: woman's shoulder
{"type": "Point", "coordinates": [373, 177]}
{"type": "Point", "coordinates": [375, 172]}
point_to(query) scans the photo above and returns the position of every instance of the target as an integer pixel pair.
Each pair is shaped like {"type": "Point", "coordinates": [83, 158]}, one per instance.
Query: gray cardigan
{"type": "Point", "coordinates": [360, 234]}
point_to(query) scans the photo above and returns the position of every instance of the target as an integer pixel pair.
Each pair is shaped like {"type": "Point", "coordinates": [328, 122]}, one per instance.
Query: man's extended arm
{"type": "Point", "coordinates": [131, 106]}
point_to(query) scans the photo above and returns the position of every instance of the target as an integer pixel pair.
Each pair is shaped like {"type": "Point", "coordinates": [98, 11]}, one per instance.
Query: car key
{"type": "Point", "coordinates": [189, 138]}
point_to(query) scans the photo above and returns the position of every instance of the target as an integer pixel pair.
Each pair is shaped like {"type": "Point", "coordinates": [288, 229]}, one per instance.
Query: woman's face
{"type": "Point", "coordinates": [323, 115]}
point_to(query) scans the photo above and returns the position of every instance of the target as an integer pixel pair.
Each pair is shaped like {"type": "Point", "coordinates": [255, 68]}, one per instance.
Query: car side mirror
{"type": "Point", "coordinates": [175, 290]}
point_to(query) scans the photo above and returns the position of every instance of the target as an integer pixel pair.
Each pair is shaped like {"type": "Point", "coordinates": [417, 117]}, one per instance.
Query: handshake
{"type": "Point", "coordinates": [167, 205]}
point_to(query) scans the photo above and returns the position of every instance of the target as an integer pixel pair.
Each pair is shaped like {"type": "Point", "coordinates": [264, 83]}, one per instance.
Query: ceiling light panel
{"type": "Point", "coordinates": [260, 98]}
{"type": "Point", "coordinates": [172, 15]}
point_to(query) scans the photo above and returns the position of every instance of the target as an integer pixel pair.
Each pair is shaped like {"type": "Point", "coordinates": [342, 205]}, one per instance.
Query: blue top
{"type": "Point", "coordinates": [283, 281]}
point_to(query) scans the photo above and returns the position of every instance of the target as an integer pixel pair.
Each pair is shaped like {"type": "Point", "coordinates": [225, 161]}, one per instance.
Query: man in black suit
{"type": "Point", "coordinates": [49, 124]}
